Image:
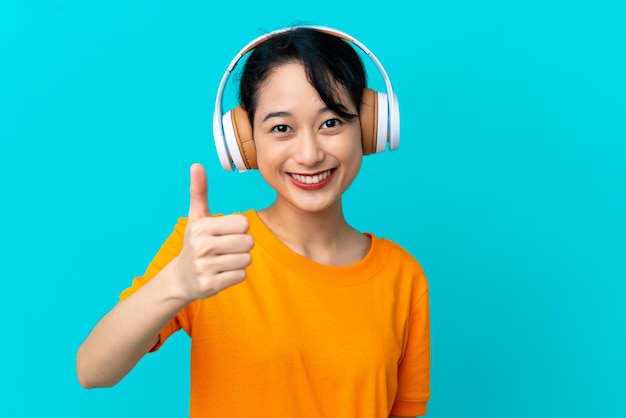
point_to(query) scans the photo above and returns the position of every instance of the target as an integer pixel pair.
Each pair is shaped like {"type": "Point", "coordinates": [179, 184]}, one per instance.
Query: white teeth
{"type": "Point", "coordinates": [311, 179]}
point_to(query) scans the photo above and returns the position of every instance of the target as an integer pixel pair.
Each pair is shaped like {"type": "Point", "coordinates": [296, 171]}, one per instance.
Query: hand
{"type": "Point", "coordinates": [216, 250]}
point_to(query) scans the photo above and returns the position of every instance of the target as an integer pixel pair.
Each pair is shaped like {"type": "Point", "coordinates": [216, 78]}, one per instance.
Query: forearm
{"type": "Point", "coordinates": [125, 334]}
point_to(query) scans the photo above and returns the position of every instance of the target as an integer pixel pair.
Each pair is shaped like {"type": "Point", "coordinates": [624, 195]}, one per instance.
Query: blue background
{"type": "Point", "coordinates": [509, 187]}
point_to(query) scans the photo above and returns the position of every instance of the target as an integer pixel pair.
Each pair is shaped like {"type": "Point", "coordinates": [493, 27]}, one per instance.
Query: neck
{"type": "Point", "coordinates": [320, 236]}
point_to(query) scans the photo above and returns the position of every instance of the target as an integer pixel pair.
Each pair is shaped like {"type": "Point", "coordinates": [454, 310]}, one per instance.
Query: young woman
{"type": "Point", "coordinates": [291, 311]}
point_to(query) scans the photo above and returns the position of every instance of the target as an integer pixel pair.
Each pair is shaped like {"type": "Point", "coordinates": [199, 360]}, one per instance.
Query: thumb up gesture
{"type": "Point", "coordinates": [216, 250]}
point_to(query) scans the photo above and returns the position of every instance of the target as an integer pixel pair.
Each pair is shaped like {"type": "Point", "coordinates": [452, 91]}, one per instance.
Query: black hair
{"type": "Point", "coordinates": [328, 61]}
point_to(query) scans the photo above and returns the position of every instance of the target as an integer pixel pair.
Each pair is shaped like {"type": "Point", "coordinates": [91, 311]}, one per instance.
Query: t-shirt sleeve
{"type": "Point", "coordinates": [414, 367]}
{"type": "Point", "coordinates": [168, 251]}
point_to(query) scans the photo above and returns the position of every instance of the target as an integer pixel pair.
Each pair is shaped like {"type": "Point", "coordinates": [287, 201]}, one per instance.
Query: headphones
{"type": "Point", "coordinates": [379, 113]}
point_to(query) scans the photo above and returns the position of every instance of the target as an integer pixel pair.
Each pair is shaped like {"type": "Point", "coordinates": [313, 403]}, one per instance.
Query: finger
{"type": "Point", "coordinates": [231, 277]}
{"type": "Point", "coordinates": [235, 261]}
{"type": "Point", "coordinates": [224, 244]}
{"type": "Point", "coordinates": [222, 225]}
{"type": "Point", "coordinates": [198, 193]}
{"type": "Point", "coordinates": [223, 263]}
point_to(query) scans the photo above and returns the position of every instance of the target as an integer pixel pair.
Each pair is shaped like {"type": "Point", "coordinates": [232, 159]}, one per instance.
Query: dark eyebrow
{"type": "Point", "coordinates": [282, 114]}
{"type": "Point", "coordinates": [276, 115]}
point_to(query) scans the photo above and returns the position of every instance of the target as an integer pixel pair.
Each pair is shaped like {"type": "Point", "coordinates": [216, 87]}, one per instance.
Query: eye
{"type": "Point", "coordinates": [281, 128]}
{"type": "Point", "coordinates": [331, 123]}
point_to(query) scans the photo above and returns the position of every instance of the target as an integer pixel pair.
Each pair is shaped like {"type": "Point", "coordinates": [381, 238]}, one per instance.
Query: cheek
{"type": "Point", "coordinates": [356, 166]}
{"type": "Point", "coordinates": [266, 169]}
{"type": "Point", "coordinates": [353, 150]}
{"type": "Point", "coordinates": [268, 154]}
{"type": "Point", "coordinates": [357, 157]}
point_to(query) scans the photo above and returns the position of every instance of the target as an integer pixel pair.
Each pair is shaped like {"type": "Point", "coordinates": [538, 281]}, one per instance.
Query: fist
{"type": "Point", "coordinates": [216, 250]}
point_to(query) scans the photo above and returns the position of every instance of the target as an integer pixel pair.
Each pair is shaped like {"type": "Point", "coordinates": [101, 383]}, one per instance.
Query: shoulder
{"type": "Point", "coordinates": [398, 253]}
{"type": "Point", "coordinates": [400, 262]}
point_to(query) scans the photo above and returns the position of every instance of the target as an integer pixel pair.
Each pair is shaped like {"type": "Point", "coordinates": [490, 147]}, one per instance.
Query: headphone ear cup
{"type": "Point", "coordinates": [374, 121]}
{"type": "Point", "coordinates": [239, 138]}
{"type": "Point", "coordinates": [369, 121]}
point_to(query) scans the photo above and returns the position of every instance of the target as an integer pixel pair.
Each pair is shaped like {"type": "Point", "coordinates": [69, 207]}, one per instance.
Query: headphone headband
{"type": "Point", "coordinates": [223, 143]}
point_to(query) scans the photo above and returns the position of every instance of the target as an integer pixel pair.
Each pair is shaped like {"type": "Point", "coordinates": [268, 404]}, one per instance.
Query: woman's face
{"type": "Point", "coordinates": [308, 154]}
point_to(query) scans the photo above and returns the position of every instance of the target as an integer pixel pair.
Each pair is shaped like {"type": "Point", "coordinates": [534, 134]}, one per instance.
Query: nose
{"type": "Point", "coordinates": [307, 150]}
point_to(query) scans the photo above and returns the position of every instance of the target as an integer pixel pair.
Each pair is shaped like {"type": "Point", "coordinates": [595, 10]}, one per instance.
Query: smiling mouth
{"type": "Point", "coordinates": [311, 179]}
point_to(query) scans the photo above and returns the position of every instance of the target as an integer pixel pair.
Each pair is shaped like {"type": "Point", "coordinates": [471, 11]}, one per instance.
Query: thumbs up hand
{"type": "Point", "coordinates": [216, 250]}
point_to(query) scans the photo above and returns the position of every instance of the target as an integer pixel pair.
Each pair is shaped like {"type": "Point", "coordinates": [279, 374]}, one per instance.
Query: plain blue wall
{"type": "Point", "coordinates": [509, 187]}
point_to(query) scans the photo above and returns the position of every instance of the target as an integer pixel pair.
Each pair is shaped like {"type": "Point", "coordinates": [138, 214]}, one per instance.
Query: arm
{"type": "Point", "coordinates": [414, 368]}
{"type": "Point", "coordinates": [214, 254]}
{"type": "Point", "coordinates": [121, 338]}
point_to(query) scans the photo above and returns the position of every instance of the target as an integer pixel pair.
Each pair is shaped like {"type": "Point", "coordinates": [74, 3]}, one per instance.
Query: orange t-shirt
{"type": "Point", "coordinates": [301, 339]}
